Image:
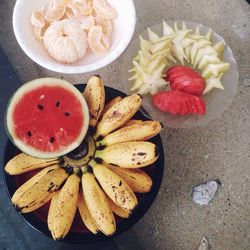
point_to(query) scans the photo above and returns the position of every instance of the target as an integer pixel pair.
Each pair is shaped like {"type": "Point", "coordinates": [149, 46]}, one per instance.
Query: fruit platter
{"type": "Point", "coordinates": [185, 71]}
{"type": "Point", "coordinates": [102, 184]}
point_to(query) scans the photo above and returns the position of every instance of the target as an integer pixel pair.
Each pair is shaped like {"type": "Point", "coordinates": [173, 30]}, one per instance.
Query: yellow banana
{"type": "Point", "coordinates": [138, 180]}
{"type": "Point", "coordinates": [128, 154]}
{"type": "Point", "coordinates": [66, 206]}
{"type": "Point", "coordinates": [52, 208]}
{"type": "Point", "coordinates": [85, 214]}
{"type": "Point", "coordinates": [41, 191]}
{"type": "Point", "coordinates": [115, 187]}
{"type": "Point", "coordinates": [138, 132]}
{"type": "Point", "coordinates": [28, 184]}
{"type": "Point", "coordinates": [117, 210]}
{"type": "Point", "coordinates": [111, 103]}
{"type": "Point", "coordinates": [94, 95]}
{"type": "Point", "coordinates": [23, 163]}
{"type": "Point", "coordinates": [118, 114]}
{"type": "Point", "coordinates": [98, 205]}
{"type": "Point", "coordinates": [132, 122]}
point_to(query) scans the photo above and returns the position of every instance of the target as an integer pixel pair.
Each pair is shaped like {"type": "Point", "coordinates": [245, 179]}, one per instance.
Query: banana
{"type": "Point", "coordinates": [128, 154]}
{"type": "Point", "coordinates": [31, 182]}
{"type": "Point", "coordinates": [23, 163]}
{"type": "Point", "coordinates": [94, 94]}
{"type": "Point", "coordinates": [52, 208]}
{"type": "Point", "coordinates": [118, 114]}
{"type": "Point", "coordinates": [41, 190]}
{"type": "Point", "coordinates": [132, 122]}
{"type": "Point", "coordinates": [117, 210]}
{"type": "Point", "coordinates": [98, 205]}
{"type": "Point", "coordinates": [138, 180]}
{"type": "Point", "coordinates": [111, 103]}
{"type": "Point", "coordinates": [138, 132]}
{"type": "Point", "coordinates": [115, 187]}
{"type": "Point", "coordinates": [65, 210]}
{"type": "Point", "coordinates": [85, 215]}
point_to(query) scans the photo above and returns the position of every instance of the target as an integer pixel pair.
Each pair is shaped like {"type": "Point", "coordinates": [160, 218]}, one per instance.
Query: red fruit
{"type": "Point", "coordinates": [171, 77]}
{"type": "Point", "coordinates": [179, 68]}
{"type": "Point", "coordinates": [176, 102]}
{"type": "Point", "coordinates": [185, 79]}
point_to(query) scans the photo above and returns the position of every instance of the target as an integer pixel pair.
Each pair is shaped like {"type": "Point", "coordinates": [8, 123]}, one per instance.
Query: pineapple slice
{"type": "Point", "coordinates": [167, 30]}
{"type": "Point", "coordinates": [213, 82]}
{"type": "Point", "coordinates": [219, 48]}
{"type": "Point", "coordinates": [215, 69]}
{"type": "Point", "coordinates": [207, 59]}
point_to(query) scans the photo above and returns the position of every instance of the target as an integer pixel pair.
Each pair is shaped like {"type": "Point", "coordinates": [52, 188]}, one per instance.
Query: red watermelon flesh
{"type": "Point", "coordinates": [48, 118]}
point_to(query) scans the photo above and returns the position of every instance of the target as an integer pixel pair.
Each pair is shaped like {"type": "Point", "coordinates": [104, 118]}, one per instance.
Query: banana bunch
{"type": "Point", "coordinates": [181, 45]}
{"type": "Point", "coordinates": [101, 177]}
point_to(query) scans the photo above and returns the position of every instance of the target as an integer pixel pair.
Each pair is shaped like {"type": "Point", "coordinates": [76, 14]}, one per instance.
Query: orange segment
{"type": "Point", "coordinates": [106, 25]}
{"type": "Point", "coordinates": [85, 6]}
{"type": "Point", "coordinates": [95, 40]}
{"type": "Point", "coordinates": [103, 9]}
{"type": "Point", "coordinates": [37, 19]}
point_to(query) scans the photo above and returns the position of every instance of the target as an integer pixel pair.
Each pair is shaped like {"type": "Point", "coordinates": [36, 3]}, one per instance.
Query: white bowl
{"type": "Point", "coordinates": [123, 30]}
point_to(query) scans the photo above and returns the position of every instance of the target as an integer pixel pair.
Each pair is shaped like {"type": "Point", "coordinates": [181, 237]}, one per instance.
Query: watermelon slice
{"type": "Point", "coordinates": [47, 118]}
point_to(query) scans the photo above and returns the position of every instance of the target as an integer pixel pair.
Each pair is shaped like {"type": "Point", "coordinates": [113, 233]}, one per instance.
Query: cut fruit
{"type": "Point", "coordinates": [96, 40]}
{"type": "Point", "coordinates": [47, 118]}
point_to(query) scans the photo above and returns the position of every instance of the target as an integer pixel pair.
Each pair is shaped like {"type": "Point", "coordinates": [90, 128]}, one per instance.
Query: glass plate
{"type": "Point", "coordinates": [217, 101]}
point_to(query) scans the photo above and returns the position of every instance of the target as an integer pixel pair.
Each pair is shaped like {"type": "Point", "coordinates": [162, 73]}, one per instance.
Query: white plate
{"type": "Point", "coordinates": [123, 30]}
{"type": "Point", "coordinates": [216, 102]}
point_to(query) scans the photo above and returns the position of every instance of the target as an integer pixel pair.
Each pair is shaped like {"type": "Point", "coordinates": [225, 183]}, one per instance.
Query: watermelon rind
{"type": "Point", "coordinates": [29, 86]}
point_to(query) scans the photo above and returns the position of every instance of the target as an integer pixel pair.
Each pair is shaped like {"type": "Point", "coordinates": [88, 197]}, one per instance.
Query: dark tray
{"type": "Point", "coordinates": [37, 219]}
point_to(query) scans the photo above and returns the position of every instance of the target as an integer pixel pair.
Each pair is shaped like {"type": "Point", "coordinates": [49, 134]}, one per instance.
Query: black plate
{"type": "Point", "coordinates": [146, 200]}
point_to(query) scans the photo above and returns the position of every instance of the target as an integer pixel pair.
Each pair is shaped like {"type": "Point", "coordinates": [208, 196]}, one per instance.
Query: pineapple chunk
{"type": "Point", "coordinates": [176, 26]}
{"type": "Point", "coordinates": [219, 48]}
{"type": "Point", "coordinates": [144, 44]}
{"type": "Point", "coordinates": [195, 36]}
{"type": "Point", "coordinates": [187, 42]}
{"type": "Point", "coordinates": [167, 30]}
{"type": "Point", "coordinates": [212, 83]}
{"type": "Point", "coordinates": [208, 35]}
{"type": "Point", "coordinates": [138, 82]}
{"type": "Point", "coordinates": [197, 30]}
{"type": "Point", "coordinates": [153, 37]}
{"type": "Point", "coordinates": [179, 52]}
{"type": "Point", "coordinates": [160, 46]}
{"type": "Point", "coordinates": [187, 52]}
{"type": "Point", "coordinates": [215, 69]}
{"type": "Point", "coordinates": [184, 26]}
{"type": "Point", "coordinates": [196, 46]}
{"type": "Point", "coordinates": [207, 59]}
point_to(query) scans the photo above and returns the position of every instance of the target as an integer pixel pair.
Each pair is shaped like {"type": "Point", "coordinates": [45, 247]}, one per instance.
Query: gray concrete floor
{"type": "Point", "coordinates": [219, 150]}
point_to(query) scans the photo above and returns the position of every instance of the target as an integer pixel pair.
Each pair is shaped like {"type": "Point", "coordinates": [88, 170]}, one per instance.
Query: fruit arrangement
{"type": "Point", "coordinates": [101, 176]}
{"type": "Point", "coordinates": [67, 28]}
{"type": "Point", "coordinates": [182, 60]}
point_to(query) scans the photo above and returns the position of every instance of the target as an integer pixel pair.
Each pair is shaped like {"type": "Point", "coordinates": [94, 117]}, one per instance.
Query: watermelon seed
{"type": "Point", "coordinates": [66, 113]}
{"type": "Point", "coordinates": [39, 106]}
{"type": "Point", "coordinates": [52, 139]}
{"type": "Point", "coordinates": [57, 104]}
{"type": "Point", "coordinates": [29, 133]}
